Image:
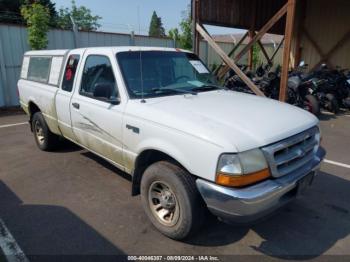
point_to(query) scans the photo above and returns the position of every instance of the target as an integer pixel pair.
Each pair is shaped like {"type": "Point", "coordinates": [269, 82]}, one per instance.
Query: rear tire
{"type": "Point", "coordinates": [168, 189]}
{"type": "Point", "coordinates": [44, 138]}
{"type": "Point", "coordinates": [332, 104]}
{"type": "Point", "coordinates": [312, 104]}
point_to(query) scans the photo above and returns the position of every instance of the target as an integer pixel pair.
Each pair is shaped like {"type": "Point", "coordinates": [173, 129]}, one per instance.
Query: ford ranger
{"type": "Point", "coordinates": [189, 144]}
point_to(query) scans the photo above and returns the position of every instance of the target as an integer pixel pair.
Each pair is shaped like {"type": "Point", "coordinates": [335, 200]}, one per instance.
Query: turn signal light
{"type": "Point", "coordinates": [242, 180]}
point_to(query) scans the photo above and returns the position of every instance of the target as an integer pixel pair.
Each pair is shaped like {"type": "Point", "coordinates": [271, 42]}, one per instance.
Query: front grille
{"type": "Point", "coordinates": [292, 153]}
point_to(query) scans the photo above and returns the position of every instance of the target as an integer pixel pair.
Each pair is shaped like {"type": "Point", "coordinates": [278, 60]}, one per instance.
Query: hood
{"type": "Point", "coordinates": [234, 121]}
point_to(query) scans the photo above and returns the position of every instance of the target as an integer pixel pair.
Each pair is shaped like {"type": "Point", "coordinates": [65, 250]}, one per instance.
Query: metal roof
{"type": "Point", "coordinates": [243, 14]}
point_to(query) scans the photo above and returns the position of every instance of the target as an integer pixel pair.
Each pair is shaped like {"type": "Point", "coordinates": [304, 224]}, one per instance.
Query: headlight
{"type": "Point", "coordinates": [242, 169]}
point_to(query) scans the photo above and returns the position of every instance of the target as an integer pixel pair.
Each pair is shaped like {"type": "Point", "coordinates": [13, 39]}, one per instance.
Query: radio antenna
{"type": "Point", "coordinates": [142, 94]}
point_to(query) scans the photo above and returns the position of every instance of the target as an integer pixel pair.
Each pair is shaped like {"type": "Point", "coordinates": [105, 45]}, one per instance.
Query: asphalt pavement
{"type": "Point", "coordinates": [71, 202]}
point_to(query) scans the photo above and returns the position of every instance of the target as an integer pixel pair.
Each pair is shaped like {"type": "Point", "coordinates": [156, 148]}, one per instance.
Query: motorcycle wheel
{"type": "Point", "coordinates": [346, 103]}
{"type": "Point", "coordinates": [312, 104]}
{"type": "Point", "coordinates": [332, 104]}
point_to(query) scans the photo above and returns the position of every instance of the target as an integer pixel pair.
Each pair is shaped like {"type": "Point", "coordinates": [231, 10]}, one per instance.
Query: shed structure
{"type": "Point", "coordinates": [316, 31]}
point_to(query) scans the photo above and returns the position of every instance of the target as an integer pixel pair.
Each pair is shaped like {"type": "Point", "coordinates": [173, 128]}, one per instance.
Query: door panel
{"type": "Point", "coordinates": [64, 94]}
{"type": "Point", "coordinates": [97, 124]}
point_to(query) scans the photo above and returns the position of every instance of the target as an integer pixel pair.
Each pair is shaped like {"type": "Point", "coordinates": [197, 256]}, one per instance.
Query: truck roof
{"type": "Point", "coordinates": [115, 49]}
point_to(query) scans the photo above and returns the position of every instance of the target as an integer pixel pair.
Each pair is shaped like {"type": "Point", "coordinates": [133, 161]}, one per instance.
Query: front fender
{"type": "Point", "coordinates": [196, 155]}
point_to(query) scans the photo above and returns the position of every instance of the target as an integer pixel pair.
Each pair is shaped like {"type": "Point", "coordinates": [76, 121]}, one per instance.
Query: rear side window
{"type": "Point", "coordinates": [39, 68]}
{"type": "Point", "coordinates": [69, 73]}
{"type": "Point", "coordinates": [25, 65]}
{"type": "Point", "coordinates": [56, 65]}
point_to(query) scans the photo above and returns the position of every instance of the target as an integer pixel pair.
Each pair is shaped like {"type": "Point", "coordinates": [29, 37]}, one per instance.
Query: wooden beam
{"type": "Point", "coordinates": [195, 19]}
{"type": "Point", "coordinates": [228, 60]}
{"type": "Point", "coordinates": [287, 48]}
{"type": "Point", "coordinates": [217, 70]}
{"type": "Point", "coordinates": [263, 31]}
{"type": "Point", "coordinates": [259, 35]}
{"type": "Point", "coordinates": [263, 50]}
{"type": "Point", "coordinates": [326, 57]}
{"type": "Point", "coordinates": [238, 44]}
{"type": "Point", "coordinates": [278, 48]}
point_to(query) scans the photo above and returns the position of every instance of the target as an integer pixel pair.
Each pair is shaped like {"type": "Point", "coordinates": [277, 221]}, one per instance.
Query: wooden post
{"type": "Point", "coordinates": [195, 19]}
{"type": "Point", "coordinates": [228, 60]}
{"type": "Point", "coordinates": [287, 48]}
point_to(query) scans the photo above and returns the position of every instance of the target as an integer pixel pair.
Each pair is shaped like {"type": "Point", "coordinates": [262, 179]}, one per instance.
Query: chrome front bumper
{"type": "Point", "coordinates": [251, 203]}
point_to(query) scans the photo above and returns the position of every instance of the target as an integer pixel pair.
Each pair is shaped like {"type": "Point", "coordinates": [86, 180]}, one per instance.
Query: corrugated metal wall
{"type": "Point", "coordinates": [327, 22]}
{"type": "Point", "coordinates": [13, 44]}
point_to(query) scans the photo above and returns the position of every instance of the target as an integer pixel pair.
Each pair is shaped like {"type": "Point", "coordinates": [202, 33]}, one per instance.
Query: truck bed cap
{"type": "Point", "coordinates": [56, 52]}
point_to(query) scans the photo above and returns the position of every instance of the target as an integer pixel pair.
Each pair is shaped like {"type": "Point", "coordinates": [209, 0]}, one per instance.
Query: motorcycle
{"type": "Point", "coordinates": [269, 82]}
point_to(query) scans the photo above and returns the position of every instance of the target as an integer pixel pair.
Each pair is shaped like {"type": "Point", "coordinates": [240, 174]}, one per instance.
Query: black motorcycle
{"type": "Point", "coordinates": [337, 86]}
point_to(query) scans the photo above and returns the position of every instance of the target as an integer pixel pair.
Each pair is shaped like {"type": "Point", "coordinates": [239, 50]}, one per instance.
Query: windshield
{"type": "Point", "coordinates": [164, 73]}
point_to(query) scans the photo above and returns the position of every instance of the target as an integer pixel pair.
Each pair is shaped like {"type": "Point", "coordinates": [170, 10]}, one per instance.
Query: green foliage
{"type": "Point", "coordinates": [10, 11]}
{"type": "Point", "coordinates": [186, 39]}
{"type": "Point", "coordinates": [256, 55]}
{"type": "Point", "coordinates": [156, 28]}
{"type": "Point", "coordinates": [183, 38]}
{"type": "Point", "coordinates": [174, 34]}
{"type": "Point", "coordinates": [52, 10]}
{"type": "Point", "coordinates": [214, 67]}
{"type": "Point", "coordinates": [37, 17]}
{"type": "Point", "coordinates": [81, 15]}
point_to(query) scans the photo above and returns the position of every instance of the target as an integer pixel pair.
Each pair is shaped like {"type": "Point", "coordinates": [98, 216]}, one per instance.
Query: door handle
{"type": "Point", "coordinates": [76, 105]}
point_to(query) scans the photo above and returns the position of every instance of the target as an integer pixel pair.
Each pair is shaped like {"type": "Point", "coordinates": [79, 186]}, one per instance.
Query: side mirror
{"type": "Point", "coordinates": [113, 100]}
{"type": "Point", "coordinates": [104, 91]}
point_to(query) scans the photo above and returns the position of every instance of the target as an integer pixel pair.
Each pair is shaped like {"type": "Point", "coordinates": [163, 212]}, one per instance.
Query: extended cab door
{"type": "Point", "coordinates": [96, 121]}
{"type": "Point", "coordinates": [64, 94]}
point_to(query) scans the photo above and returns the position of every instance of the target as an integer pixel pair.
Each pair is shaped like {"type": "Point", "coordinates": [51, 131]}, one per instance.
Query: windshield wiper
{"type": "Point", "coordinates": [207, 87]}
{"type": "Point", "coordinates": [178, 90]}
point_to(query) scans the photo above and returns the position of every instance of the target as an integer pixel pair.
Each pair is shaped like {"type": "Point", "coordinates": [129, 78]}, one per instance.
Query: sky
{"type": "Point", "coordinates": [124, 16]}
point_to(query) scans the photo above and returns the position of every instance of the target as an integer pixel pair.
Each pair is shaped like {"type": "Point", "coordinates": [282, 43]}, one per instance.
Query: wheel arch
{"type": "Point", "coordinates": [32, 109]}
{"type": "Point", "coordinates": [144, 160]}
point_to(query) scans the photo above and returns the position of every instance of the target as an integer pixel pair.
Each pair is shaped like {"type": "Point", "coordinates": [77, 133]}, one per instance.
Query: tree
{"type": "Point", "coordinates": [10, 10]}
{"type": "Point", "coordinates": [183, 38]}
{"type": "Point", "coordinates": [156, 28]}
{"type": "Point", "coordinates": [37, 17]}
{"type": "Point", "coordinates": [82, 17]}
{"type": "Point", "coordinates": [186, 39]}
{"type": "Point", "coordinates": [174, 34]}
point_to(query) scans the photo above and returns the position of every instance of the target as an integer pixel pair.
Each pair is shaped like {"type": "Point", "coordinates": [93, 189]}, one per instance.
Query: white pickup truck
{"type": "Point", "coordinates": [189, 144]}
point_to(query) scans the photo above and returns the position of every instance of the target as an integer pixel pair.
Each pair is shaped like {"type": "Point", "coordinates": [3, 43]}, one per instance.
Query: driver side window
{"type": "Point", "coordinates": [98, 75]}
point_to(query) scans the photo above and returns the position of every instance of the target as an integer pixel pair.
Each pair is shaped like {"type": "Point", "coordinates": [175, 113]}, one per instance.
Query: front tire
{"type": "Point", "coordinates": [171, 200]}
{"type": "Point", "coordinates": [44, 138]}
